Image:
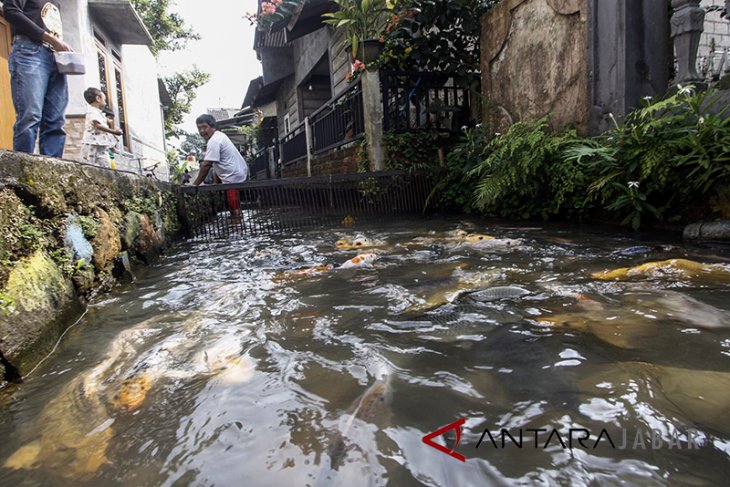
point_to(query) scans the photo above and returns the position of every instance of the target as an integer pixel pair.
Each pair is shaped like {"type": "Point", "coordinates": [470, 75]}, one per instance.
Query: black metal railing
{"type": "Point", "coordinates": [336, 123]}
{"type": "Point", "coordinates": [339, 121]}
{"type": "Point", "coordinates": [259, 165]}
{"type": "Point", "coordinates": [415, 101]}
{"type": "Point", "coordinates": [295, 203]}
{"type": "Point", "coordinates": [294, 145]}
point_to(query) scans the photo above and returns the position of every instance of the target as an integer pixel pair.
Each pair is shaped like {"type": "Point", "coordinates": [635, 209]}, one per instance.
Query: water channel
{"type": "Point", "coordinates": [222, 365]}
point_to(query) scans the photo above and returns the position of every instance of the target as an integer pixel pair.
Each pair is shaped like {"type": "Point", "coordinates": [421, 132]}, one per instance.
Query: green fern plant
{"type": "Point", "coordinates": [523, 176]}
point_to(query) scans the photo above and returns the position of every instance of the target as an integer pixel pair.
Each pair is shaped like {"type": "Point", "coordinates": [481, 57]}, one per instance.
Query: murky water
{"type": "Point", "coordinates": [221, 366]}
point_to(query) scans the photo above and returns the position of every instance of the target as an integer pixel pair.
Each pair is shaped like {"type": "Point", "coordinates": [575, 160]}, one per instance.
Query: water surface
{"type": "Point", "coordinates": [253, 375]}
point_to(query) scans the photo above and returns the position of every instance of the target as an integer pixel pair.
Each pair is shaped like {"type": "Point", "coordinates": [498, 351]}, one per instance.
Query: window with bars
{"type": "Point", "coordinates": [111, 82]}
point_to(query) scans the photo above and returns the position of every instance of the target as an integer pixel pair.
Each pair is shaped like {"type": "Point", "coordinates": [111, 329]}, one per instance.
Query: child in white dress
{"type": "Point", "coordinates": [98, 136]}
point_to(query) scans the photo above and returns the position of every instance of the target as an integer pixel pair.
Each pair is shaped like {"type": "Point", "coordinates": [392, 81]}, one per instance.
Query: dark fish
{"type": "Point", "coordinates": [499, 292]}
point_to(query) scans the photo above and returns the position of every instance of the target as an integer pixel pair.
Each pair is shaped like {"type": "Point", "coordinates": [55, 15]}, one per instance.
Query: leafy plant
{"type": "Point", "coordinates": [363, 19]}
{"type": "Point", "coordinates": [523, 174]}
{"type": "Point", "coordinates": [455, 190]}
{"type": "Point", "coordinates": [436, 36]}
{"type": "Point", "coordinates": [664, 161]}
{"type": "Point", "coordinates": [409, 150]}
{"type": "Point", "coordinates": [272, 12]}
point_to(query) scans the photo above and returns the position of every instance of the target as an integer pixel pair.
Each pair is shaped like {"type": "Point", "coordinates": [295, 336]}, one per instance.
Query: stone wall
{"type": "Point", "coordinates": [337, 161]}
{"type": "Point", "coordinates": [534, 62]}
{"type": "Point", "coordinates": [67, 232]}
{"type": "Point", "coordinates": [583, 62]}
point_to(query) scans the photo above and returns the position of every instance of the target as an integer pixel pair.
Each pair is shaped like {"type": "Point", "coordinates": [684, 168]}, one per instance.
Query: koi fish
{"type": "Point", "coordinates": [362, 260]}
{"type": "Point", "coordinates": [359, 242]}
{"type": "Point", "coordinates": [302, 273]}
{"type": "Point", "coordinates": [694, 397]}
{"type": "Point", "coordinates": [372, 406]}
{"type": "Point", "coordinates": [442, 291]}
{"type": "Point", "coordinates": [671, 267]}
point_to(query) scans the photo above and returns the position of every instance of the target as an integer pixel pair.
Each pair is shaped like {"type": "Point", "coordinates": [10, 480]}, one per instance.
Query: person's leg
{"type": "Point", "coordinates": [28, 81]}
{"type": "Point", "coordinates": [234, 202]}
{"type": "Point", "coordinates": [52, 136]}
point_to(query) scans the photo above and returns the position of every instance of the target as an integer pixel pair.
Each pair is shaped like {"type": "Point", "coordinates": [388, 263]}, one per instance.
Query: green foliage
{"type": "Point", "coordinates": [362, 19]}
{"type": "Point", "coordinates": [192, 144]}
{"type": "Point", "coordinates": [22, 234]}
{"type": "Point", "coordinates": [138, 204]}
{"type": "Point", "coordinates": [524, 176]}
{"type": "Point", "coordinates": [89, 226]}
{"type": "Point", "coordinates": [666, 159]}
{"type": "Point", "coordinates": [168, 30]}
{"type": "Point", "coordinates": [182, 89]}
{"type": "Point", "coordinates": [455, 189]}
{"type": "Point", "coordinates": [409, 150]}
{"type": "Point", "coordinates": [435, 35]}
{"type": "Point", "coordinates": [270, 13]}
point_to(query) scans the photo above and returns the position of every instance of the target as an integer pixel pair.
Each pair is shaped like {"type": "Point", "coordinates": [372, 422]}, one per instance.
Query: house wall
{"type": "Point", "coordinates": [144, 114]}
{"type": "Point", "coordinates": [308, 50]}
{"type": "Point", "coordinates": [143, 117]}
{"type": "Point", "coordinates": [340, 62]}
{"type": "Point", "coordinates": [292, 99]}
{"type": "Point", "coordinates": [287, 105]}
{"type": "Point", "coordinates": [342, 160]}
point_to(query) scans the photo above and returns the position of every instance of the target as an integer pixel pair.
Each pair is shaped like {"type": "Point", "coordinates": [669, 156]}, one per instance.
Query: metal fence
{"type": "Point", "coordinates": [336, 123]}
{"type": "Point", "coordinates": [259, 165]}
{"type": "Point", "coordinates": [415, 101]}
{"type": "Point", "coordinates": [295, 203]}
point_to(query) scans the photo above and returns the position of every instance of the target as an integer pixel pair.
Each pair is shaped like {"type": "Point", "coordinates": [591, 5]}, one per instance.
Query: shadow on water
{"type": "Point", "coordinates": [265, 361]}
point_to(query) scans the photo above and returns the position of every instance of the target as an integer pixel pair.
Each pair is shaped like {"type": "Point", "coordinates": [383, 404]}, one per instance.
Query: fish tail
{"type": "Point", "coordinates": [26, 457]}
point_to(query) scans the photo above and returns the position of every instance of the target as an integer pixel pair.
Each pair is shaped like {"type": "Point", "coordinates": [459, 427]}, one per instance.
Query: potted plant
{"type": "Point", "coordinates": [364, 21]}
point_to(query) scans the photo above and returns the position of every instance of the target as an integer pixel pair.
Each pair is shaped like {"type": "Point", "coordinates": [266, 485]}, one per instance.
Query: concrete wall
{"type": "Point", "coordinates": [578, 60]}
{"type": "Point", "coordinates": [46, 271]}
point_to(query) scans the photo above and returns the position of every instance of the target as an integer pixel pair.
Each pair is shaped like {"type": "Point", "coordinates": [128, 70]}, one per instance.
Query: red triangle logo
{"type": "Point", "coordinates": [453, 426]}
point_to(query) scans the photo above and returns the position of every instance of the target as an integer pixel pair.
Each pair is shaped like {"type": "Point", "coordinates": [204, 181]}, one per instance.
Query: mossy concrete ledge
{"type": "Point", "coordinates": [67, 232]}
{"type": "Point", "coordinates": [717, 231]}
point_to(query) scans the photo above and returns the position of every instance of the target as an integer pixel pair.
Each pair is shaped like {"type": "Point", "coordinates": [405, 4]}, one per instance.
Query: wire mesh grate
{"type": "Point", "coordinates": [276, 206]}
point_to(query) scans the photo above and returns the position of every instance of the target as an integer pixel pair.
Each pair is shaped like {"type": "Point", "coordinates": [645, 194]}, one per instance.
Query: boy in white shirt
{"type": "Point", "coordinates": [98, 136]}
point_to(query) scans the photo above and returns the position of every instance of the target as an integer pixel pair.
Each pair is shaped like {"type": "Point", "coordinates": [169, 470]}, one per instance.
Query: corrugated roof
{"type": "Point", "coordinates": [222, 113]}
{"type": "Point", "coordinates": [269, 39]}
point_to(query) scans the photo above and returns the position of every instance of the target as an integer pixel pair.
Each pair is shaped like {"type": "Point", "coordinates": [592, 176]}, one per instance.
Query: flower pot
{"type": "Point", "coordinates": [367, 51]}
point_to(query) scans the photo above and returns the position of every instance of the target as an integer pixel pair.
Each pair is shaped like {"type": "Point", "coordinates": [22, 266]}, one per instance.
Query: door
{"type": "Point", "coordinates": [7, 113]}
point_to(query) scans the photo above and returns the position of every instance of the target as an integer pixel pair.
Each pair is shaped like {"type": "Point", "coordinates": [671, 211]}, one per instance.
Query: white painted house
{"type": "Point", "coordinates": [115, 44]}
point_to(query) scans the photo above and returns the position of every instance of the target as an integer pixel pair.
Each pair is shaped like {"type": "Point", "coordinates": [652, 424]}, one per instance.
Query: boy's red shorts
{"type": "Point", "coordinates": [234, 202]}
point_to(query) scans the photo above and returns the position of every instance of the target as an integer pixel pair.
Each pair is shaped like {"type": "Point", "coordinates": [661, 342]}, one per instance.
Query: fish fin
{"type": "Point", "coordinates": [25, 457]}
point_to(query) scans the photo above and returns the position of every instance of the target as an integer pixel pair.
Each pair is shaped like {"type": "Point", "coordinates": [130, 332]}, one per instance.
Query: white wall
{"type": "Point", "coordinates": [142, 100]}
{"type": "Point", "coordinates": [143, 103]}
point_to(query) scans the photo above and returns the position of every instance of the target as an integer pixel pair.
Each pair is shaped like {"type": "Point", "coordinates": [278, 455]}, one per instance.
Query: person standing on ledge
{"type": "Point", "coordinates": [39, 91]}
{"type": "Point", "coordinates": [220, 154]}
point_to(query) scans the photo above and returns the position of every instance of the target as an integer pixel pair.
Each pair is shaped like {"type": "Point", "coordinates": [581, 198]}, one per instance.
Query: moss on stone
{"type": "Point", "coordinates": [89, 225]}
{"type": "Point", "coordinates": [36, 283]}
{"type": "Point", "coordinates": [21, 233]}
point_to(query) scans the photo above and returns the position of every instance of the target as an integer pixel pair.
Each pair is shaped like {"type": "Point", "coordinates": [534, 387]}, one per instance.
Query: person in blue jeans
{"type": "Point", "coordinates": [39, 91]}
